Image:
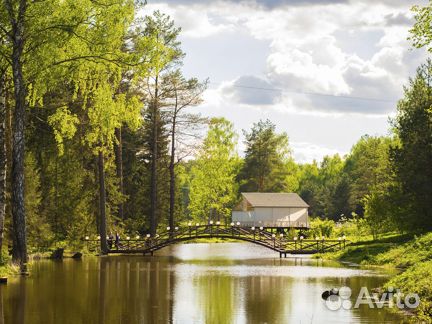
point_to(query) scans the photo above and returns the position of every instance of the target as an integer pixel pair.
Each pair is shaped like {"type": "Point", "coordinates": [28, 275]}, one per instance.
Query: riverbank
{"type": "Point", "coordinates": [8, 269]}
{"type": "Point", "coordinates": [411, 254]}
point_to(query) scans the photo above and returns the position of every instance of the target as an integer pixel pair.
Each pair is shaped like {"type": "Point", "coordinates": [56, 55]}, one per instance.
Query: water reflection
{"type": "Point", "coordinates": [204, 283]}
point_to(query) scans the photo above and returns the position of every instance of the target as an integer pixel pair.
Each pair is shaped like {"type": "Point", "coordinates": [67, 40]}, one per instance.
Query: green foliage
{"type": "Point", "coordinates": [368, 168]}
{"type": "Point", "coordinates": [378, 213]}
{"type": "Point", "coordinates": [40, 235]}
{"type": "Point", "coordinates": [325, 187]}
{"type": "Point", "coordinates": [321, 228]}
{"type": "Point", "coordinates": [421, 34]}
{"type": "Point", "coordinates": [213, 187]}
{"type": "Point", "coordinates": [407, 254]}
{"type": "Point", "coordinates": [412, 156]}
{"type": "Point", "coordinates": [416, 279]}
{"type": "Point", "coordinates": [268, 165]}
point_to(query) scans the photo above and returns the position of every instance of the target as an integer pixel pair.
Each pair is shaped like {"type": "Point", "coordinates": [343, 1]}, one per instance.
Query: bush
{"type": "Point", "coordinates": [417, 279]}
{"type": "Point", "coordinates": [321, 227]}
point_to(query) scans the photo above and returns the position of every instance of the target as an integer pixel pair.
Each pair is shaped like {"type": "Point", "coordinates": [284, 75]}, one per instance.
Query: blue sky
{"type": "Point", "coordinates": [322, 58]}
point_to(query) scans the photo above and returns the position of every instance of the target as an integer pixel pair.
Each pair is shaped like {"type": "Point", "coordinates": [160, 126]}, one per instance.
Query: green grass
{"type": "Point", "coordinates": [366, 252]}
{"type": "Point", "coordinates": [417, 279]}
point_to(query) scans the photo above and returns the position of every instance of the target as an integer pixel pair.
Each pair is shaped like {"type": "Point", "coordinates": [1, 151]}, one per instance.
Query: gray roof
{"type": "Point", "coordinates": [263, 199]}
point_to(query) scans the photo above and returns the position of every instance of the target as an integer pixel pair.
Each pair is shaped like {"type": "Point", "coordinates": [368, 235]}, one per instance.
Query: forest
{"type": "Point", "coordinates": [101, 132]}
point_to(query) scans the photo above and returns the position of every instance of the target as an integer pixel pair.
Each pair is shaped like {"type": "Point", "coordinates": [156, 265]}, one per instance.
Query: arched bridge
{"type": "Point", "coordinates": [266, 237]}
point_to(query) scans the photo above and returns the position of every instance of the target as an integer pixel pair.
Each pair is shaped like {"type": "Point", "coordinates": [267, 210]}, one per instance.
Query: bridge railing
{"type": "Point", "coordinates": [266, 237]}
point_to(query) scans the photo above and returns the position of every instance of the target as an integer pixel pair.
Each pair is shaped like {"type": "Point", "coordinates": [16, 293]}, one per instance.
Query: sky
{"type": "Point", "coordinates": [325, 72]}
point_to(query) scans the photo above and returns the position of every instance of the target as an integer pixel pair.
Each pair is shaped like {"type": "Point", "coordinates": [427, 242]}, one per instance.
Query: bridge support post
{"type": "Point", "coordinates": [280, 255]}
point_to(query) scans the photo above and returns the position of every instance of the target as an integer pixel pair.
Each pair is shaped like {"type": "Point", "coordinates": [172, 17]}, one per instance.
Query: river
{"type": "Point", "coordinates": [188, 283]}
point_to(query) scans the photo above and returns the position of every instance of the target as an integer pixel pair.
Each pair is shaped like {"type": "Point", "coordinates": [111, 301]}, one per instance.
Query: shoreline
{"type": "Point", "coordinates": [411, 258]}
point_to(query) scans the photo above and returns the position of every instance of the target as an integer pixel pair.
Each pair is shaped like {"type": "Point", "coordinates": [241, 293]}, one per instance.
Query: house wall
{"type": "Point", "coordinates": [272, 217]}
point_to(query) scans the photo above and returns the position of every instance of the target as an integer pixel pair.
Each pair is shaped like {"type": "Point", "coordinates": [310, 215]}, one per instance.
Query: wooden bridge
{"type": "Point", "coordinates": [266, 237]}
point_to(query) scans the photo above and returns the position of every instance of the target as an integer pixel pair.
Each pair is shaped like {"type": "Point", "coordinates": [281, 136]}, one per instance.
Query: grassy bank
{"type": "Point", "coordinates": [411, 254]}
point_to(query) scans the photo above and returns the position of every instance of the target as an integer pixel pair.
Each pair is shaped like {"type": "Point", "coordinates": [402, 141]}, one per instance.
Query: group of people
{"type": "Point", "coordinates": [113, 240]}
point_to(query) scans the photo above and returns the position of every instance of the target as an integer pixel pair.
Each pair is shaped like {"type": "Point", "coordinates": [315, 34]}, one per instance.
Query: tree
{"type": "Point", "coordinates": [330, 179]}
{"type": "Point", "coordinates": [266, 157]}
{"type": "Point", "coordinates": [412, 157]}
{"type": "Point", "coordinates": [166, 54]}
{"type": "Point", "coordinates": [179, 94]}
{"type": "Point", "coordinates": [56, 42]}
{"type": "Point", "coordinates": [213, 187]}
{"type": "Point", "coordinates": [309, 186]}
{"type": "Point", "coordinates": [367, 167]}
{"type": "Point", "coordinates": [421, 35]}
{"type": "Point", "coordinates": [3, 157]}
{"type": "Point", "coordinates": [325, 188]}
{"type": "Point", "coordinates": [16, 12]}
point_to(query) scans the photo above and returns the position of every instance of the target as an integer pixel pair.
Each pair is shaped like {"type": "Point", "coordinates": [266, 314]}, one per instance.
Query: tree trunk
{"type": "Point", "coordinates": [102, 203]}
{"type": "Point", "coordinates": [119, 168]}
{"type": "Point", "coordinates": [19, 252]}
{"type": "Point", "coordinates": [8, 139]}
{"type": "Point", "coordinates": [3, 159]}
{"type": "Point", "coordinates": [154, 173]}
{"type": "Point", "coordinates": [172, 175]}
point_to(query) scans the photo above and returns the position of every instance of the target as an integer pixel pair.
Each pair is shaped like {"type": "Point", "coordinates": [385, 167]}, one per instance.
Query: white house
{"type": "Point", "coordinates": [271, 210]}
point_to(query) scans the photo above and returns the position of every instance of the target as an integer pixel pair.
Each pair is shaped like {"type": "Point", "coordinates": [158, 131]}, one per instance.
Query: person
{"type": "Point", "coordinates": [117, 240]}
{"type": "Point", "coordinates": [110, 240]}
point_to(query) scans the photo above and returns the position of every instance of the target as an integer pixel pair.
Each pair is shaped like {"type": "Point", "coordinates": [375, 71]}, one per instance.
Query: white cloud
{"type": "Point", "coordinates": [307, 152]}
{"type": "Point", "coordinates": [195, 23]}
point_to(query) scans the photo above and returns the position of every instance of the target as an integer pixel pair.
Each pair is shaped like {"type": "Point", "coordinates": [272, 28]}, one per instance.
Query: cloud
{"type": "Point", "coordinates": [194, 22]}
{"type": "Point", "coordinates": [251, 90]}
{"type": "Point", "coordinates": [307, 152]}
{"type": "Point", "coordinates": [307, 57]}
{"type": "Point", "coordinates": [398, 19]}
{"type": "Point", "coordinates": [324, 58]}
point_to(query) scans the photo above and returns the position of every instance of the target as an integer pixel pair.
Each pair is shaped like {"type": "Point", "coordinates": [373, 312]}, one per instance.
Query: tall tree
{"type": "Point", "coordinates": [179, 94]}
{"type": "Point", "coordinates": [3, 157]}
{"type": "Point", "coordinates": [413, 157]}
{"type": "Point", "coordinates": [309, 186]}
{"type": "Point", "coordinates": [16, 13]}
{"type": "Point", "coordinates": [367, 166]}
{"type": "Point", "coordinates": [213, 186]}
{"type": "Point", "coordinates": [166, 54]}
{"type": "Point", "coordinates": [266, 157]}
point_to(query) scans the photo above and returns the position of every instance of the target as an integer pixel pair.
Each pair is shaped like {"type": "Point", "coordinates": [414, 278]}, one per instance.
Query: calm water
{"type": "Point", "coordinates": [191, 283]}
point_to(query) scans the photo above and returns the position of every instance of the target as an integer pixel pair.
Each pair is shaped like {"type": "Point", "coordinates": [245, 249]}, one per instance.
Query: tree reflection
{"type": "Point", "coordinates": [216, 295]}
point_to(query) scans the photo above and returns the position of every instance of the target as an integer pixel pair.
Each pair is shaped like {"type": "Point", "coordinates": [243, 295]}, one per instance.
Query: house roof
{"type": "Point", "coordinates": [264, 199]}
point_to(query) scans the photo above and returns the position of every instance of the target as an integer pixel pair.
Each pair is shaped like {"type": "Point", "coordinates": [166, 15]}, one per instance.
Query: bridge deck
{"type": "Point", "coordinates": [275, 241]}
